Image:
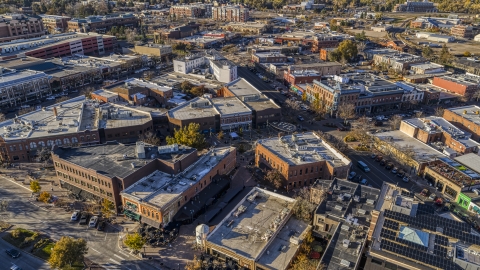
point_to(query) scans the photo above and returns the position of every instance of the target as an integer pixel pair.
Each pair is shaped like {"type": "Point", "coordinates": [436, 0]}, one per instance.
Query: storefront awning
{"type": "Point", "coordinates": [151, 222]}
{"type": "Point", "coordinates": [132, 215]}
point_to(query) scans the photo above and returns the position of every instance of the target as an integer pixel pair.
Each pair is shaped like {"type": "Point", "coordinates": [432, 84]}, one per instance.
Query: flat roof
{"type": "Point", "coordinates": [462, 79]}
{"type": "Point", "coordinates": [160, 189]}
{"type": "Point", "coordinates": [230, 106]}
{"type": "Point", "coordinates": [269, 54]}
{"type": "Point", "coordinates": [423, 152]}
{"type": "Point", "coordinates": [298, 149]}
{"type": "Point", "coordinates": [147, 84]}
{"type": "Point", "coordinates": [173, 79]}
{"type": "Point", "coordinates": [255, 229]}
{"type": "Point", "coordinates": [241, 87]}
{"type": "Point", "coordinates": [105, 93]}
{"type": "Point", "coordinates": [110, 159]}
{"type": "Point", "coordinates": [426, 66]}
{"type": "Point", "coordinates": [434, 124]}
{"type": "Point", "coordinates": [470, 114]}
{"type": "Point", "coordinates": [199, 107]}
{"type": "Point", "coordinates": [14, 77]}
{"type": "Point", "coordinates": [470, 160]}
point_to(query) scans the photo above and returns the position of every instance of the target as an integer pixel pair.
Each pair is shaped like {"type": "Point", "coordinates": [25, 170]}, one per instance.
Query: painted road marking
{"type": "Point", "coordinates": [119, 257]}
{"type": "Point", "coordinates": [114, 261]}
{"type": "Point", "coordinates": [121, 252]}
{"type": "Point", "coordinates": [95, 250]}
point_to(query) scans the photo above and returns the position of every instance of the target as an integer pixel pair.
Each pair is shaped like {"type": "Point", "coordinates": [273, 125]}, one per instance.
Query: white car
{"type": "Point", "coordinates": [93, 222]}
{"type": "Point", "coordinates": [75, 216]}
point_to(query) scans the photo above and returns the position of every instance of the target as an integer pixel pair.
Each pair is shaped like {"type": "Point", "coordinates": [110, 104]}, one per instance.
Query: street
{"type": "Point", "coordinates": [55, 223]}
{"type": "Point", "coordinates": [252, 78]}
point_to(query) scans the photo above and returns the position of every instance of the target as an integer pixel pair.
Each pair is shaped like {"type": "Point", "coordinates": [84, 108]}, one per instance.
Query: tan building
{"type": "Point", "coordinates": [301, 159]}
{"type": "Point", "coordinates": [230, 14]}
{"type": "Point", "coordinates": [19, 26]}
{"type": "Point", "coordinates": [139, 92]}
{"type": "Point", "coordinates": [103, 24]}
{"type": "Point", "coordinates": [73, 122]}
{"type": "Point", "coordinates": [247, 27]}
{"type": "Point", "coordinates": [466, 118]}
{"type": "Point", "coordinates": [462, 31]}
{"type": "Point", "coordinates": [159, 50]}
{"type": "Point", "coordinates": [55, 23]}
{"type": "Point", "coordinates": [160, 196]}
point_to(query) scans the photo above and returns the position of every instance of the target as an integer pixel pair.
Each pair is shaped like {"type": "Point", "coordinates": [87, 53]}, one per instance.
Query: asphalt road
{"type": "Point", "coordinates": [55, 222]}
{"type": "Point", "coordinates": [264, 87]}
{"type": "Point", "coordinates": [25, 261]}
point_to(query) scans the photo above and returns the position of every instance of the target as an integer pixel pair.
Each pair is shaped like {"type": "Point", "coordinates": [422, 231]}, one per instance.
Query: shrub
{"type": "Point", "coordinates": [349, 138]}
{"type": "Point", "coordinates": [362, 148]}
{"type": "Point", "coordinates": [16, 233]}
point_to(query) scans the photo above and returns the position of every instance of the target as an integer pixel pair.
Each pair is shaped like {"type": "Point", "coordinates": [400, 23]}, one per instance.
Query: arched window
{"type": "Point", "coordinates": [66, 141]}
{"type": "Point", "coordinates": [58, 142]}
{"type": "Point", "coordinates": [33, 145]}
{"type": "Point", "coordinates": [74, 140]}
{"type": "Point", "coordinates": [49, 142]}
{"type": "Point", "coordinates": [41, 143]}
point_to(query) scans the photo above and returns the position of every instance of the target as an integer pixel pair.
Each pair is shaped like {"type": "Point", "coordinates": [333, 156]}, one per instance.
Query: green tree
{"type": "Point", "coordinates": [427, 52]}
{"type": "Point", "coordinates": [44, 197]}
{"type": "Point", "coordinates": [107, 208]}
{"type": "Point", "coordinates": [361, 36]}
{"type": "Point", "coordinates": [198, 90]}
{"type": "Point", "coordinates": [134, 241]}
{"type": "Point", "coordinates": [35, 186]}
{"type": "Point", "coordinates": [347, 49]}
{"type": "Point", "coordinates": [334, 56]}
{"type": "Point", "coordinates": [445, 56]}
{"type": "Point", "coordinates": [68, 251]}
{"type": "Point", "coordinates": [275, 178]}
{"type": "Point", "coordinates": [188, 135]}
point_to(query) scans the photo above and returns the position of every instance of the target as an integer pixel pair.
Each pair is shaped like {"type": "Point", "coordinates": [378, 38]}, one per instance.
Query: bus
{"type": "Point", "coordinates": [363, 166]}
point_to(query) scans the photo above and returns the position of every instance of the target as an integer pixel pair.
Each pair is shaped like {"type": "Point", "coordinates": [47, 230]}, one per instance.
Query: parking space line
{"type": "Point", "coordinates": [95, 250]}
{"type": "Point", "coordinates": [114, 261]}
{"type": "Point", "coordinates": [119, 257]}
{"type": "Point", "coordinates": [123, 253]}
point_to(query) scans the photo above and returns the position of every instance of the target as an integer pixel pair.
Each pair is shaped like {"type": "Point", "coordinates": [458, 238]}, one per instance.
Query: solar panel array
{"type": "Point", "coordinates": [430, 222]}
{"type": "Point", "coordinates": [440, 251]}
{"type": "Point", "coordinates": [424, 257]}
{"type": "Point", "coordinates": [412, 244]}
{"type": "Point", "coordinates": [388, 234]}
{"type": "Point", "coordinates": [425, 209]}
{"type": "Point", "coordinates": [391, 224]}
{"type": "Point", "coordinates": [441, 240]}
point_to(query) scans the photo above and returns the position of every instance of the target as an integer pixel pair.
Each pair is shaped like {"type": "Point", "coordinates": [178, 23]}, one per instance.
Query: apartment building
{"type": "Point", "coordinates": [439, 133]}
{"type": "Point", "coordinates": [466, 117]}
{"type": "Point", "coordinates": [463, 85]}
{"type": "Point", "coordinates": [103, 24]}
{"type": "Point", "coordinates": [55, 23]}
{"type": "Point", "coordinates": [230, 14]}
{"type": "Point", "coordinates": [18, 26]}
{"type": "Point", "coordinates": [59, 46]}
{"type": "Point", "coordinates": [262, 58]}
{"type": "Point", "coordinates": [344, 202]}
{"type": "Point", "coordinates": [271, 244]}
{"type": "Point", "coordinates": [462, 31]}
{"type": "Point", "coordinates": [209, 62]}
{"type": "Point", "coordinates": [405, 233]}
{"type": "Point", "coordinates": [191, 11]}
{"type": "Point", "coordinates": [422, 6]}
{"type": "Point", "coordinates": [77, 121]}
{"type": "Point", "coordinates": [301, 159]}
{"type": "Point", "coordinates": [18, 87]}
{"type": "Point", "coordinates": [160, 197]}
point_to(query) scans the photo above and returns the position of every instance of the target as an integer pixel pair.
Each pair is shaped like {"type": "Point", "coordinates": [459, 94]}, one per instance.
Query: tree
{"type": "Point", "coordinates": [347, 49]}
{"type": "Point", "coordinates": [346, 111]}
{"type": "Point", "coordinates": [439, 111]}
{"type": "Point", "coordinates": [445, 56]}
{"type": "Point", "coordinates": [221, 135]}
{"type": "Point", "coordinates": [68, 251]}
{"type": "Point", "coordinates": [304, 96]}
{"type": "Point", "coordinates": [107, 208]}
{"type": "Point", "coordinates": [188, 135]}
{"type": "Point", "coordinates": [186, 86]}
{"type": "Point", "coordinates": [35, 186]}
{"type": "Point", "coordinates": [198, 90]}
{"type": "Point", "coordinates": [334, 56]}
{"type": "Point", "coordinates": [361, 36]}
{"type": "Point", "coordinates": [318, 105]}
{"type": "Point", "coordinates": [395, 122]}
{"type": "Point", "coordinates": [304, 206]}
{"type": "Point", "coordinates": [130, 35]}
{"type": "Point", "coordinates": [427, 52]}
{"type": "Point", "coordinates": [467, 54]}
{"type": "Point", "coordinates": [134, 241]}
{"type": "Point", "coordinates": [44, 197]}
{"type": "Point", "coordinates": [274, 177]}
{"type": "Point", "coordinates": [150, 138]}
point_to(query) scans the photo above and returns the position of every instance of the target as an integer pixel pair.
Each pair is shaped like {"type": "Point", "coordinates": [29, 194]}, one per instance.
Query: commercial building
{"type": "Point", "coordinates": [176, 32]}
{"type": "Point", "coordinates": [18, 26]}
{"type": "Point", "coordinates": [463, 85]}
{"type": "Point", "coordinates": [439, 133]}
{"type": "Point", "coordinates": [469, 64]}
{"type": "Point", "coordinates": [462, 31]}
{"type": "Point", "coordinates": [139, 93]}
{"type": "Point", "coordinates": [300, 76]}
{"type": "Point", "coordinates": [427, 68]}
{"type": "Point", "coordinates": [161, 196]}
{"type": "Point", "coordinates": [230, 14]}
{"type": "Point", "coordinates": [436, 22]}
{"type": "Point", "coordinates": [407, 234]}
{"type": "Point", "coordinates": [435, 37]}
{"type": "Point", "coordinates": [208, 63]}
{"type": "Point", "coordinates": [343, 217]}
{"type": "Point", "coordinates": [18, 87]}
{"type": "Point", "coordinates": [196, 10]}
{"type": "Point", "coordinates": [301, 159]}
{"type": "Point", "coordinates": [103, 24]}
{"type": "Point", "coordinates": [55, 23]}
{"type": "Point", "coordinates": [466, 117]}
{"type": "Point", "coordinates": [408, 151]}
{"type": "Point", "coordinates": [247, 27]}
{"type": "Point", "coordinates": [73, 122]}
{"type": "Point", "coordinates": [162, 51]}
{"type": "Point", "coordinates": [393, 59]}
{"type": "Point", "coordinates": [269, 57]}
{"type": "Point", "coordinates": [59, 46]}
{"type": "Point", "coordinates": [204, 42]}
{"type": "Point", "coordinates": [409, 6]}
{"type": "Point", "coordinates": [275, 237]}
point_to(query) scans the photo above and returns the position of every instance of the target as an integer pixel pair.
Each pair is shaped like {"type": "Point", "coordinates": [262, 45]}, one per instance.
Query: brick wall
{"type": "Point", "coordinates": [463, 124]}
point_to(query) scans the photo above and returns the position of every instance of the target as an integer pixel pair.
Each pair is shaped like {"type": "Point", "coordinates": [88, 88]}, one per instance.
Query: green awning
{"type": "Point", "coordinates": [131, 215]}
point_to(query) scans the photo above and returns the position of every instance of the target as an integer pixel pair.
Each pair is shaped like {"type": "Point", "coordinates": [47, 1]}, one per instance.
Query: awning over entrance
{"type": "Point", "coordinates": [151, 222]}
{"type": "Point", "coordinates": [132, 215]}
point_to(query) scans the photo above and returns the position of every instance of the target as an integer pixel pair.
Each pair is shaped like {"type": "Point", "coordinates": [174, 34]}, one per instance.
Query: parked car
{"type": "Point", "coordinates": [378, 158]}
{"type": "Point", "coordinates": [93, 222]}
{"type": "Point", "coordinates": [13, 253]}
{"type": "Point", "coordinates": [406, 179]}
{"type": "Point", "coordinates": [432, 196]}
{"type": "Point", "coordinates": [25, 106]}
{"type": "Point", "coordinates": [373, 155]}
{"type": "Point", "coordinates": [357, 178]}
{"type": "Point", "coordinates": [101, 225]}
{"type": "Point", "coordinates": [382, 162]}
{"type": "Point", "coordinates": [389, 166]}
{"type": "Point", "coordinates": [15, 267]}
{"type": "Point", "coordinates": [425, 192]}
{"type": "Point", "coordinates": [351, 175]}
{"type": "Point", "coordinates": [75, 216]}
{"type": "Point", "coordinates": [364, 182]}
{"type": "Point", "coordinates": [341, 127]}
{"type": "Point", "coordinates": [401, 173]}
{"type": "Point", "coordinates": [329, 124]}
{"type": "Point", "coordinates": [300, 118]}
{"type": "Point", "coordinates": [378, 123]}
{"type": "Point", "coordinates": [83, 219]}
{"type": "Point", "coordinates": [395, 170]}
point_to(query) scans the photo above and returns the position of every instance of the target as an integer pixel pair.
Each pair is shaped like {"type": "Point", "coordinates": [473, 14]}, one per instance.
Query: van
{"type": "Point", "coordinates": [363, 166]}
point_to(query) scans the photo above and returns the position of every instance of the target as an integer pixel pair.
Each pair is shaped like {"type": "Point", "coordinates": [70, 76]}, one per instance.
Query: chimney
{"type": "Point", "coordinates": [55, 111]}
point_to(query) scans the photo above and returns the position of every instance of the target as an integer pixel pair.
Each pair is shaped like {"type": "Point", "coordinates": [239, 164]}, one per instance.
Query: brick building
{"type": "Point", "coordinates": [432, 130]}
{"type": "Point", "coordinates": [300, 77]}
{"type": "Point", "coordinates": [19, 26]}
{"type": "Point", "coordinates": [191, 11]}
{"type": "Point", "coordinates": [466, 117]}
{"type": "Point", "coordinates": [55, 23]}
{"type": "Point", "coordinates": [462, 31]}
{"type": "Point", "coordinates": [230, 14]}
{"type": "Point", "coordinates": [103, 24]}
{"type": "Point", "coordinates": [176, 32]}
{"type": "Point", "coordinates": [159, 196]}
{"type": "Point", "coordinates": [463, 85]}
{"type": "Point", "coordinates": [138, 92]}
{"type": "Point", "coordinates": [409, 6]}
{"type": "Point", "coordinates": [269, 57]}
{"type": "Point", "coordinates": [301, 159]}
{"type": "Point", "coordinates": [73, 122]}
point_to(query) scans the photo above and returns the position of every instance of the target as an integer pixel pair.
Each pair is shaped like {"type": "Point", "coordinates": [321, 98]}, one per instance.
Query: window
{"type": "Point", "coordinates": [58, 142]}
{"type": "Point", "coordinates": [41, 143]}
{"type": "Point", "coordinates": [33, 145]}
{"type": "Point", "coordinates": [376, 261]}
{"type": "Point", "coordinates": [66, 141]}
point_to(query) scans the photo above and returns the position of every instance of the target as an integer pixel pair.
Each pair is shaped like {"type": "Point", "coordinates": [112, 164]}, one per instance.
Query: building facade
{"type": "Point", "coordinates": [462, 31]}
{"type": "Point", "coordinates": [103, 24]}
{"type": "Point", "coordinates": [463, 85]}
{"type": "Point", "coordinates": [18, 87]}
{"type": "Point", "coordinates": [230, 14]}
{"type": "Point", "coordinates": [465, 118]}
{"type": "Point", "coordinates": [19, 26]}
{"type": "Point", "coordinates": [55, 23]}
